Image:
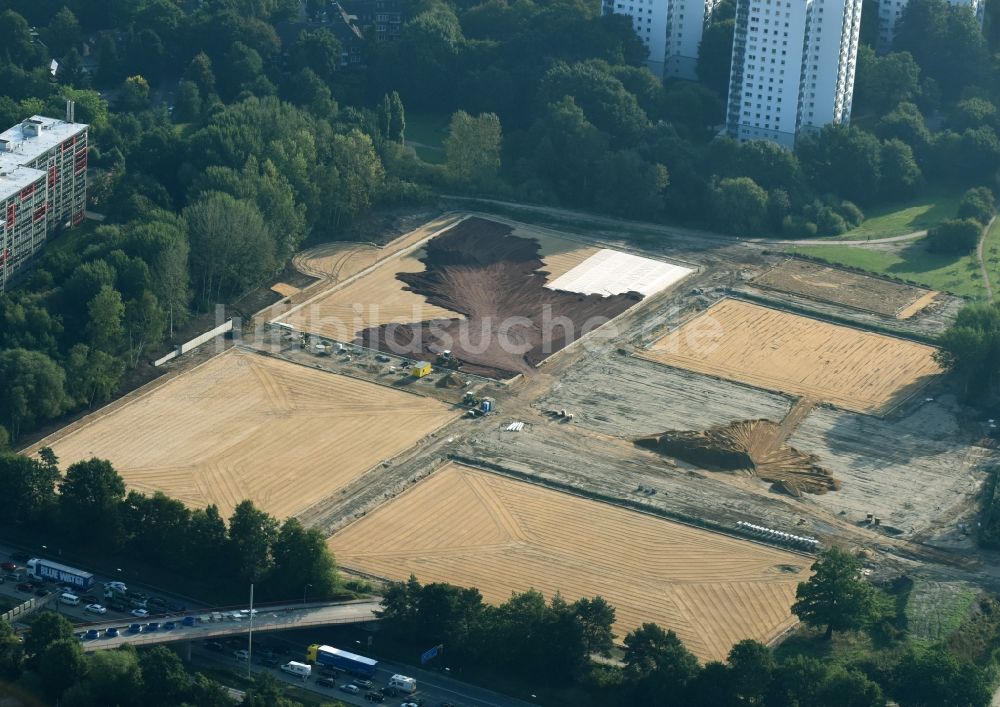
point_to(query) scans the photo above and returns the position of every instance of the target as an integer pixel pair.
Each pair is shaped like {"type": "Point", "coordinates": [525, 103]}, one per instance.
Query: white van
{"type": "Point", "coordinates": [70, 599]}
{"type": "Point", "coordinates": [403, 683]}
{"type": "Point", "coordinates": [300, 670]}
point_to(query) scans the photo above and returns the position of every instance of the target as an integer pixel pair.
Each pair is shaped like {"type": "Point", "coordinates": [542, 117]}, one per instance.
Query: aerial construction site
{"type": "Point", "coordinates": [674, 421]}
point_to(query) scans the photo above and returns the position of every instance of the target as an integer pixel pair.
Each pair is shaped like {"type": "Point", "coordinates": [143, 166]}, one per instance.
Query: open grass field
{"type": "Point", "coordinates": [850, 289]}
{"type": "Point", "coordinates": [770, 349]}
{"type": "Point", "coordinates": [910, 261]}
{"type": "Point", "coordinates": [379, 297]}
{"type": "Point", "coordinates": [247, 426]}
{"type": "Point", "coordinates": [472, 528]}
{"type": "Point", "coordinates": [915, 215]}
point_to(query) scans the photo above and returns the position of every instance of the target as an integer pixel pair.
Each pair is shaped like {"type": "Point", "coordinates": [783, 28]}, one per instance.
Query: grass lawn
{"type": "Point", "coordinates": [429, 130]}
{"type": "Point", "coordinates": [936, 610]}
{"type": "Point", "coordinates": [910, 261]}
{"type": "Point", "coordinates": [991, 256]}
{"type": "Point", "coordinates": [897, 219]}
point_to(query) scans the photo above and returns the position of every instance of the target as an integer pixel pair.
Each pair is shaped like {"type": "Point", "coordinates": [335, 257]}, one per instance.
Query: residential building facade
{"type": "Point", "coordinates": [43, 186]}
{"type": "Point", "coordinates": [793, 67]}
{"type": "Point", "coordinates": [670, 29]}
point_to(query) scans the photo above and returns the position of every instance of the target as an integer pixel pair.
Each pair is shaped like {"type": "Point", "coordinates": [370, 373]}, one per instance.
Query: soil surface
{"type": "Point", "coordinates": [478, 268]}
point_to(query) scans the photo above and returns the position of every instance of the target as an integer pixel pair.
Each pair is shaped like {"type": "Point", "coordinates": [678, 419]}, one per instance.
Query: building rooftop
{"type": "Point", "coordinates": [14, 178]}
{"type": "Point", "coordinates": [33, 137]}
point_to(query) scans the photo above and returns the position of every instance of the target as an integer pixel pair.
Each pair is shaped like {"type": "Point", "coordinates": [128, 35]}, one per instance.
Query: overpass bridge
{"type": "Point", "coordinates": [211, 623]}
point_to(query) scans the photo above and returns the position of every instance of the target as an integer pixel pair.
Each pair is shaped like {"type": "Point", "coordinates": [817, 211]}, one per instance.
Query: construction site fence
{"type": "Point", "coordinates": [197, 341]}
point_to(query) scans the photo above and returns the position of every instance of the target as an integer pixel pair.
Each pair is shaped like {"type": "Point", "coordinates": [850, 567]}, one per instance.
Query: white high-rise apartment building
{"type": "Point", "coordinates": [670, 29]}
{"type": "Point", "coordinates": [793, 67]}
{"type": "Point", "coordinates": [889, 12]}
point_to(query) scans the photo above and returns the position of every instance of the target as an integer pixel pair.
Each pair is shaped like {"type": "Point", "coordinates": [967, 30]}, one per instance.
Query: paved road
{"type": "Point", "coordinates": [276, 618]}
{"type": "Point", "coordinates": [432, 687]}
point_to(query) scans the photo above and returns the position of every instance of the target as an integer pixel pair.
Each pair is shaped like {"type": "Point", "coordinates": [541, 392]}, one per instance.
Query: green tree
{"type": "Point", "coordinates": [105, 323]}
{"type": "Point", "coordinates": [187, 102]}
{"type": "Point", "coordinates": [11, 653]}
{"type": "Point", "coordinates": [231, 246]}
{"type": "Point", "coordinates": [61, 665]}
{"type": "Point", "coordinates": [634, 186]}
{"type": "Point", "coordinates": [901, 177]}
{"type": "Point", "coordinates": [596, 616]}
{"type": "Point", "coordinates": [397, 118]}
{"type": "Point", "coordinates": [849, 688]}
{"type": "Point", "coordinates": [33, 389]}
{"type": "Point", "coordinates": [207, 541]}
{"type": "Point", "coordinates": [883, 82]}
{"type": "Point", "coordinates": [954, 236]}
{"type": "Point", "coordinates": [199, 72]}
{"type": "Point", "coordinates": [972, 112]}
{"type": "Point", "coordinates": [843, 159]}
{"type": "Point", "coordinates": [306, 89]}
{"type": "Point", "coordinates": [15, 38]}
{"type": "Point", "coordinates": [978, 203]}
{"type": "Point", "coordinates": [751, 668]}
{"type": "Point", "coordinates": [739, 206]}
{"type": "Point", "coordinates": [29, 488]}
{"type": "Point", "coordinates": [304, 559]}
{"type": "Point", "coordinates": [906, 123]}
{"type": "Point", "coordinates": [63, 32]}
{"type": "Point", "coordinates": [934, 676]}
{"type": "Point", "coordinates": [92, 375]}
{"type": "Point", "coordinates": [472, 149]}
{"type": "Point", "coordinates": [145, 325]}
{"type": "Point", "coordinates": [796, 681]}
{"type": "Point", "coordinates": [657, 665]}
{"type": "Point", "coordinates": [205, 692]}
{"type": "Point", "coordinates": [90, 497]}
{"type": "Point", "coordinates": [836, 596]}
{"type": "Point", "coordinates": [252, 534]}
{"type": "Point", "coordinates": [109, 673]}
{"type": "Point", "coordinates": [155, 526]}
{"type": "Point", "coordinates": [134, 94]}
{"type": "Point", "coordinates": [47, 628]}
{"type": "Point", "coordinates": [164, 678]}
{"type": "Point", "coordinates": [567, 151]}
{"type": "Point", "coordinates": [355, 176]}
{"type": "Point", "coordinates": [319, 50]}
{"type": "Point", "coordinates": [715, 55]}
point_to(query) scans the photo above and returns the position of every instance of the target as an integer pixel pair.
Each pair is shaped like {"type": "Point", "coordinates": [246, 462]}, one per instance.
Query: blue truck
{"type": "Point", "coordinates": [53, 571]}
{"type": "Point", "coordinates": [342, 660]}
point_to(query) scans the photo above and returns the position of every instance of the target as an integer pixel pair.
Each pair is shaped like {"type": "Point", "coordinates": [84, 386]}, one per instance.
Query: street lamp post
{"type": "Point", "coordinates": [304, 590]}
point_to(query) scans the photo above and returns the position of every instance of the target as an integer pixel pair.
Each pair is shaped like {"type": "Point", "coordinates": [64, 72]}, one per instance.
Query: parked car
{"type": "Point", "coordinates": [111, 633]}
{"type": "Point", "coordinates": [169, 626]}
{"type": "Point", "coordinates": [390, 691]}
{"type": "Point", "coordinates": [375, 697]}
{"type": "Point", "coordinates": [362, 682]}
{"type": "Point", "coordinates": [140, 613]}
{"type": "Point", "coordinates": [95, 609]}
{"type": "Point", "coordinates": [327, 671]}
{"type": "Point", "coordinates": [116, 586]}
{"type": "Point", "coordinates": [156, 603]}
{"type": "Point", "coordinates": [273, 662]}
{"type": "Point", "coordinates": [241, 655]}
{"type": "Point", "coordinates": [350, 688]}
{"type": "Point", "coordinates": [90, 599]}
{"type": "Point", "coordinates": [326, 682]}
{"type": "Point", "coordinates": [153, 626]}
{"type": "Point", "coordinates": [93, 633]}
{"type": "Point", "coordinates": [135, 628]}
{"type": "Point", "coordinates": [8, 566]}
{"type": "Point", "coordinates": [189, 621]}
{"type": "Point", "coordinates": [215, 646]}
{"type": "Point", "coordinates": [25, 587]}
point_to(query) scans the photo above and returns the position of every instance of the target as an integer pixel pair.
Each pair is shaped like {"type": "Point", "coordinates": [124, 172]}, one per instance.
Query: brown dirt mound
{"type": "Point", "coordinates": [479, 269]}
{"type": "Point", "coordinates": [747, 445]}
{"type": "Point", "coordinates": [452, 380]}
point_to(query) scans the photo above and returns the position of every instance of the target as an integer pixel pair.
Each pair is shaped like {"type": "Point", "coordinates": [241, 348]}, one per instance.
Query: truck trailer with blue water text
{"type": "Point", "coordinates": [342, 660]}
{"type": "Point", "coordinates": [53, 571]}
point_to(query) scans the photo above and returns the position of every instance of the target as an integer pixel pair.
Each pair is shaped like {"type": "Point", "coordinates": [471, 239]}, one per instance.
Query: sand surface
{"type": "Point", "coordinates": [473, 528]}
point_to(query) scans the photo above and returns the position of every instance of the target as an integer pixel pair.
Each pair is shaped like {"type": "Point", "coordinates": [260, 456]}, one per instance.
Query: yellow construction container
{"type": "Point", "coordinates": [421, 369]}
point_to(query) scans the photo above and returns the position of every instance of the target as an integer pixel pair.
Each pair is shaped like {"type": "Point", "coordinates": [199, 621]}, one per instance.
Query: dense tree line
{"type": "Point", "coordinates": [89, 509]}
{"type": "Point", "coordinates": [273, 142]}
{"type": "Point", "coordinates": [553, 642]}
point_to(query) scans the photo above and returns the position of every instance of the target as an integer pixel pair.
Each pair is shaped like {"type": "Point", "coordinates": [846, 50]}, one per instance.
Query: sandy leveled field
{"type": "Point", "coordinates": [821, 282]}
{"type": "Point", "coordinates": [849, 368]}
{"type": "Point", "coordinates": [473, 528]}
{"type": "Point", "coordinates": [378, 297]}
{"type": "Point", "coordinates": [244, 426]}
